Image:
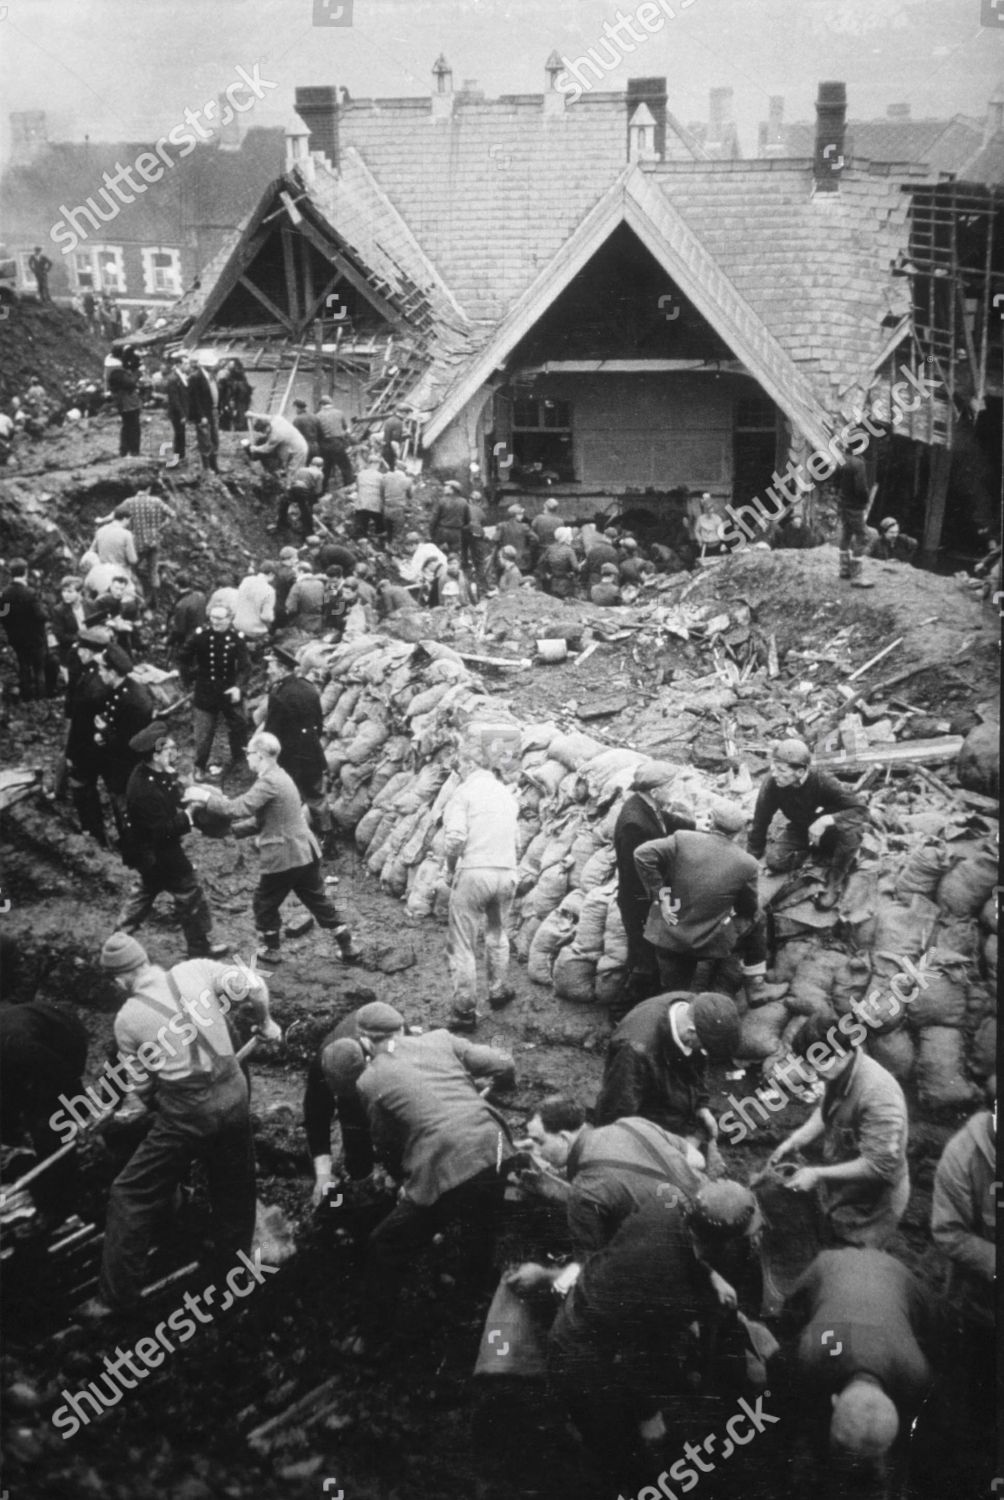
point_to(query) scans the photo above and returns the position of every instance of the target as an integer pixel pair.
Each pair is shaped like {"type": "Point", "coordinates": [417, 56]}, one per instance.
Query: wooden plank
{"type": "Point", "coordinates": [920, 751]}
{"type": "Point", "coordinates": [355, 278]}
{"type": "Point", "coordinates": [268, 304]}
{"type": "Point", "coordinates": [289, 271]}
{"type": "Point", "coordinates": [604, 708]}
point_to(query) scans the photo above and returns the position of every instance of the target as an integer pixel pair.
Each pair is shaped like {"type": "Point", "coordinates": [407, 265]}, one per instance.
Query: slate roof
{"type": "Point", "coordinates": [952, 147]}
{"type": "Point", "coordinates": [493, 192]}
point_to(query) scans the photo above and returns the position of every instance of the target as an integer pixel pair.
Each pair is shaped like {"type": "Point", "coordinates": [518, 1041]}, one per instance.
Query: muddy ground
{"type": "Point", "coordinates": [414, 1425]}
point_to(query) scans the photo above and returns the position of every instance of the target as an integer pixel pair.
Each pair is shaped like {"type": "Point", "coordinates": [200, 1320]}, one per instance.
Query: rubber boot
{"type": "Point", "coordinates": [350, 954]}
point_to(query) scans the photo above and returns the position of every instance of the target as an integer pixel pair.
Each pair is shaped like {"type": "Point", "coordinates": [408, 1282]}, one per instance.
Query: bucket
{"type": "Point", "coordinates": [555, 649]}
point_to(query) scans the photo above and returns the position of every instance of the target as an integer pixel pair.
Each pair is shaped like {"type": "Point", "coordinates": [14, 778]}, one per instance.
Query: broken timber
{"type": "Point", "coordinates": [920, 752]}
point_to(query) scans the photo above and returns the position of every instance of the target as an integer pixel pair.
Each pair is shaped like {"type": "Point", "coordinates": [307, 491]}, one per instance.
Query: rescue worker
{"type": "Point", "coordinates": [24, 622]}
{"type": "Point", "coordinates": [451, 1151]}
{"type": "Point", "coordinates": [893, 545]}
{"type": "Point", "coordinates": [293, 714]}
{"type": "Point", "coordinates": [215, 659]}
{"type": "Point", "coordinates": [450, 517]}
{"type": "Point", "coordinates": [656, 1065]}
{"type": "Point", "coordinates": [126, 708]}
{"type": "Point", "coordinates": [649, 812]}
{"type": "Point", "coordinates": [85, 692]}
{"type": "Point", "coordinates": [624, 1335]}
{"type": "Point", "coordinates": [861, 1316]}
{"type": "Point", "coordinates": [544, 527]}
{"type": "Point", "coordinates": [290, 855]}
{"type": "Point", "coordinates": [820, 813]}
{"type": "Point", "coordinates": [147, 516]}
{"type": "Point", "coordinates": [515, 532]}
{"type": "Point", "coordinates": [278, 446]}
{"type": "Point", "coordinates": [863, 1186]}
{"type": "Point", "coordinates": [201, 1109]}
{"type": "Point", "coordinates": [333, 442]}
{"type": "Point", "coordinates": [704, 899]}
{"type": "Point", "coordinates": [855, 497]}
{"type": "Point", "coordinates": [614, 1170]}
{"type": "Point", "coordinates": [157, 821]}
{"type": "Point", "coordinates": [331, 1089]}
{"type": "Point", "coordinates": [558, 566]}
{"type": "Point", "coordinates": [480, 827]}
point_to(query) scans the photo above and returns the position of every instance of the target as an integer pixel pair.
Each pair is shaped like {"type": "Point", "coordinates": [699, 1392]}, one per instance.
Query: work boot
{"type": "Point", "coordinates": [465, 1023]}
{"type": "Point", "coordinates": [209, 950]}
{"type": "Point", "coordinates": [501, 997]}
{"type": "Point", "coordinates": [269, 953]}
{"type": "Point", "coordinates": [758, 991]}
{"type": "Point", "coordinates": [349, 953]}
{"type": "Point", "coordinates": [845, 565]}
{"type": "Point", "coordinates": [858, 580]}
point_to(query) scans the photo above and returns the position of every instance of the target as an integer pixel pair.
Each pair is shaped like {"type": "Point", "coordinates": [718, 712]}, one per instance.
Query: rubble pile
{"type": "Point", "coordinates": [920, 905]}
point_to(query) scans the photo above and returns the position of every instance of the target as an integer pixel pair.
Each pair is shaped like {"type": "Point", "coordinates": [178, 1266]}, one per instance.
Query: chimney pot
{"type": "Point", "coordinates": [654, 93]}
{"type": "Point", "coordinates": [831, 126]}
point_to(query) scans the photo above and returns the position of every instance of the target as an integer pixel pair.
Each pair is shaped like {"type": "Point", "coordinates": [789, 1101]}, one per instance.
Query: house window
{"type": "Point", "coordinates": [162, 272]}
{"type": "Point", "coordinates": [99, 269]}
{"type": "Point", "coordinates": [542, 435]}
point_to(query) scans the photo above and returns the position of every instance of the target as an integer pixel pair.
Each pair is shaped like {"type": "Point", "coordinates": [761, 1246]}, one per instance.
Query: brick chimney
{"type": "Point", "coordinates": [831, 125]}
{"type": "Point", "coordinates": [721, 120]}
{"type": "Point", "coordinates": [653, 93]}
{"type": "Point", "coordinates": [318, 109]}
{"type": "Point", "coordinates": [771, 141]}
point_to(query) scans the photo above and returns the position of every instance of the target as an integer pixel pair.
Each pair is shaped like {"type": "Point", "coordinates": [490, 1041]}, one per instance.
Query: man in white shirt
{"type": "Point", "coordinates": [254, 607]}
{"type": "Point", "coordinates": [480, 828]}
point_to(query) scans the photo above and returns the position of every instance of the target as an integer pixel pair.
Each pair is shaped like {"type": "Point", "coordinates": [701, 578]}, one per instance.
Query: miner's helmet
{"type": "Point", "coordinates": [792, 753]}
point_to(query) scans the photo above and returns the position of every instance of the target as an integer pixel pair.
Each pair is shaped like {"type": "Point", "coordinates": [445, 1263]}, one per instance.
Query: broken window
{"type": "Point", "coordinates": [542, 435]}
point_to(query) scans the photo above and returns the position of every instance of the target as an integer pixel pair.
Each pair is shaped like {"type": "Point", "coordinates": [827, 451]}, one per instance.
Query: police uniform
{"type": "Point", "coordinates": [85, 694]}
{"type": "Point", "coordinates": [157, 823]}
{"type": "Point", "coordinates": [127, 709]}
{"type": "Point", "coordinates": [294, 716]}
{"type": "Point", "coordinates": [216, 660]}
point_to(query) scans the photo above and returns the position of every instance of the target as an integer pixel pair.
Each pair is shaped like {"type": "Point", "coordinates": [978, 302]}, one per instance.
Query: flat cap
{"type": "Point", "coordinates": [342, 1062]}
{"type": "Point", "coordinates": [118, 659]}
{"type": "Point", "coordinates": [652, 774]}
{"type": "Point", "coordinates": [148, 739]}
{"type": "Point", "coordinates": [379, 1019]}
{"type": "Point", "coordinates": [283, 657]}
{"type": "Point", "coordinates": [724, 1209]}
{"type": "Point", "coordinates": [716, 1022]}
{"type": "Point", "coordinates": [95, 636]}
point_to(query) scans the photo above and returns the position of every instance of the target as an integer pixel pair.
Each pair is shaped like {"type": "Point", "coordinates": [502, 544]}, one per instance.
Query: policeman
{"type": "Point", "coordinates": [85, 692]}
{"type": "Point", "coordinates": [216, 658]}
{"type": "Point", "coordinates": [157, 823]}
{"type": "Point", "coordinates": [126, 710]}
{"type": "Point", "coordinates": [293, 714]}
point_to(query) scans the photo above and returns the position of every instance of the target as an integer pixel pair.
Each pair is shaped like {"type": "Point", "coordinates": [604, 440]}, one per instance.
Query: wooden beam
{"type": "Point", "coordinates": [314, 308]}
{"type": "Point", "coordinates": [289, 268]}
{"type": "Point", "coordinates": [937, 495]}
{"type": "Point", "coordinates": [267, 302]}
{"type": "Point", "coordinates": [354, 278]}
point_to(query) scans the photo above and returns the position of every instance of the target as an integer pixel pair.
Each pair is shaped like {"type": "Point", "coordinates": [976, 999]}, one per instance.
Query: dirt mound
{"type": "Point", "coordinates": [54, 343]}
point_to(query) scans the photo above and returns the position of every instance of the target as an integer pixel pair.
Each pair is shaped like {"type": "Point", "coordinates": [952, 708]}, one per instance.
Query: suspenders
{"type": "Point", "coordinates": [203, 1059]}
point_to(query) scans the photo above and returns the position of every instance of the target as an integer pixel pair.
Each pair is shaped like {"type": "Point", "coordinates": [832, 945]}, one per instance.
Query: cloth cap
{"type": "Point", "coordinates": [300, 405]}
{"type": "Point", "coordinates": [791, 753]}
{"type": "Point", "coordinates": [451, 484]}
{"type": "Point", "coordinates": [18, 565]}
{"type": "Point", "coordinates": [120, 661]}
{"type": "Point", "coordinates": [888, 523]}
{"type": "Point", "coordinates": [727, 817]}
{"type": "Point", "coordinates": [716, 1022]}
{"type": "Point", "coordinates": [379, 1019]}
{"type": "Point", "coordinates": [289, 554]}
{"type": "Point", "coordinates": [628, 543]}
{"type": "Point", "coordinates": [71, 582]}
{"type": "Point", "coordinates": [724, 1209]}
{"type": "Point", "coordinates": [514, 510]}
{"type": "Point", "coordinates": [652, 774]}
{"type": "Point", "coordinates": [342, 1062]}
{"type": "Point", "coordinates": [95, 636]}
{"type": "Point", "coordinates": [149, 738]}
{"type": "Point", "coordinates": [121, 952]}
{"type": "Point", "coordinates": [283, 657]}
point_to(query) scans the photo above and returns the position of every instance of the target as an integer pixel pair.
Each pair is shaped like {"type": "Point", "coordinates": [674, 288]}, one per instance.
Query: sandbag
{"type": "Point", "coordinates": [896, 1051]}
{"type": "Point", "coordinates": [554, 932]}
{"type": "Point", "coordinates": [574, 749]}
{"type": "Point", "coordinates": [921, 871]}
{"type": "Point", "coordinates": [615, 943]}
{"type": "Point", "coordinates": [547, 777]}
{"type": "Point", "coordinates": [425, 702]}
{"type": "Point", "coordinates": [528, 929]}
{"type": "Point", "coordinates": [342, 711]}
{"type": "Point", "coordinates": [374, 849]}
{"type": "Point", "coordinates": [850, 982]}
{"type": "Point", "coordinates": [941, 999]}
{"type": "Point", "coordinates": [347, 811]}
{"type": "Point", "coordinates": [528, 870]}
{"type": "Point", "coordinates": [990, 956]}
{"type": "Point", "coordinates": [367, 827]}
{"type": "Point", "coordinates": [961, 934]}
{"type": "Point", "coordinates": [979, 764]}
{"type": "Point", "coordinates": [422, 892]}
{"type": "Point", "coordinates": [812, 982]}
{"type": "Point", "coordinates": [574, 975]}
{"type": "Point", "coordinates": [330, 694]}
{"type": "Point", "coordinates": [391, 788]}
{"type": "Point", "coordinates": [583, 846]}
{"type": "Point", "coordinates": [964, 889]}
{"type": "Point", "coordinates": [983, 1051]}
{"type": "Point", "coordinates": [760, 1031]}
{"type": "Point", "coordinates": [365, 742]}
{"type": "Point", "coordinates": [904, 928]}
{"type": "Point", "coordinates": [593, 920]}
{"type": "Point", "coordinates": [988, 915]}
{"type": "Point", "coordinates": [552, 885]}
{"type": "Point", "coordinates": [597, 869]}
{"type": "Point", "coordinates": [352, 777]}
{"type": "Point", "coordinates": [941, 1080]}
{"type": "Point", "coordinates": [571, 904]}
{"type": "Point", "coordinates": [789, 956]}
{"type": "Point", "coordinates": [609, 978]}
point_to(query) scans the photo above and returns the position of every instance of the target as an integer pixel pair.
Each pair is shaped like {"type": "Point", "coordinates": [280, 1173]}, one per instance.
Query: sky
{"type": "Point", "coordinates": [128, 69]}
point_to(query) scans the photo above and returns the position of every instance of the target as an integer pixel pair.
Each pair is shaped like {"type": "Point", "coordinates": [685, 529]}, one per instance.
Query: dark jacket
{"type": "Point", "coordinates": [201, 406]}
{"type": "Point", "coordinates": [127, 709]}
{"type": "Point", "coordinates": [306, 425]}
{"type": "Point", "coordinates": [646, 1073]}
{"type": "Point", "coordinates": [23, 614]}
{"type": "Point", "coordinates": [123, 384]}
{"type": "Point", "coordinates": [157, 822]}
{"type": "Point", "coordinates": [66, 628]}
{"type": "Point", "coordinates": [802, 805]}
{"type": "Point", "coordinates": [450, 515]}
{"type": "Point", "coordinates": [426, 1114]}
{"type": "Point", "coordinates": [711, 878]}
{"type": "Point", "coordinates": [215, 660]}
{"type": "Point", "coordinates": [320, 1106]}
{"type": "Point", "coordinates": [637, 823]}
{"type": "Point", "coordinates": [618, 1169]}
{"type": "Point", "coordinates": [188, 614]}
{"type": "Point", "coordinates": [853, 484]}
{"type": "Point", "coordinates": [294, 716]}
{"type": "Point", "coordinates": [178, 399]}
{"type": "Point", "coordinates": [85, 694]}
{"type": "Point", "coordinates": [873, 1309]}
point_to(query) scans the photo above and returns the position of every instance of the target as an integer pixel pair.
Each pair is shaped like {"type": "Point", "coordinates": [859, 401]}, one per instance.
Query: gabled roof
{"type": "Point", "coordinates": [947, 147]}
{"type": "Point", "coordinates": [494, 191]}
{"type": "Point", "coordinates": [637, 199]}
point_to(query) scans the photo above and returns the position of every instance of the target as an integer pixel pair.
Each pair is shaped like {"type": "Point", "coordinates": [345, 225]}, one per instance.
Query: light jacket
{"type": "Point", "coordinates": [284, 838]}
{"type": "Point", "coordinates": [964, 1216]}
